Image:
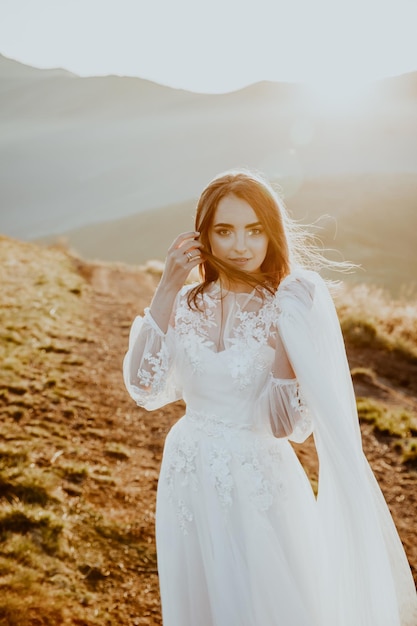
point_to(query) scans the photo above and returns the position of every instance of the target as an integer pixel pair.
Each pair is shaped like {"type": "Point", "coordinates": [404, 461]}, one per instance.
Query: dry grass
{"type": "Point", "coordinates": [394, 422]}
{"type": "Point", "coordinates": [56, 548]}
{"type": "Point", "coordinates": [370, 318]}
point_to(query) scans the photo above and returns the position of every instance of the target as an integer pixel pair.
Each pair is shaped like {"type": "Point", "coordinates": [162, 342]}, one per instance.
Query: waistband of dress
{"type": "Point", "coordinates": [213, 424]}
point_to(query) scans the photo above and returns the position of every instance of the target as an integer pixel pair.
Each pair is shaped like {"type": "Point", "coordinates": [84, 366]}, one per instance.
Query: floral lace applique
{"type": "Point", "coordinates": [257, 463]}
{"type": "Point", "coordinates": [184, 516]}
{"type": "Point", "coordinates": [219, 464]}
{"type": "Point", "coordinates": [253, 329]}
{"type": "Point", "coordinates": [155, 375]}
{"type": "Point", "coordinates": [260, 492]}
{"type": "Point", "coordinates": [303, 425]}
{"type": "Point", "coordinates": [262, 470]}
{"type": "Point", "coordinates": [259, 466]}
{"type": "Point", "coordinates": [260, 462]}
{"type": "Point", "coordinates": [181, 466]}
{"type": "Point", "coordinates": [193, 328]}
{"type": "Point", "coordinates": [244, 362]}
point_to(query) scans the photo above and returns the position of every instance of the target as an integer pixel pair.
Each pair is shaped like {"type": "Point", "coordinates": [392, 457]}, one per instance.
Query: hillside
{"type": "Point", "coordinates": [79, 461]}
{"type": "Point", "coordinates": [78, 151]}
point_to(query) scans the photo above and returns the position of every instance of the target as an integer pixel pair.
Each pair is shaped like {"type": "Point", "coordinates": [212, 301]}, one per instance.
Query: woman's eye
{"type": "Point", "coordinates": [223, 232]}
{"type": "Point", "coordinates": [256, 231]}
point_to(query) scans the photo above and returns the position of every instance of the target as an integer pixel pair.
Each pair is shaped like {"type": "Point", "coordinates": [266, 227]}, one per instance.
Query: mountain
{"type": "Point", "coordinates": [76, 151]}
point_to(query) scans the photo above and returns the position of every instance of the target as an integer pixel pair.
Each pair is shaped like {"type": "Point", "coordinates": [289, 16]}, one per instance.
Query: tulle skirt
{"type": "Point", "coordinates": [236, 530]}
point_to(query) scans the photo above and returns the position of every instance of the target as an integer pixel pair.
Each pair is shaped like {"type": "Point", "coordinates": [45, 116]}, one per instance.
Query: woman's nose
{"type": "Point", "coordinates": [240, 242]}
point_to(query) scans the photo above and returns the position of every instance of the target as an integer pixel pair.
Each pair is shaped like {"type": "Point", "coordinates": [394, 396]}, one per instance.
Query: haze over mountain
{"type": "Point", "coordinates": [78, 150]}
{"type": "Point", "coordinates": [79, 153]}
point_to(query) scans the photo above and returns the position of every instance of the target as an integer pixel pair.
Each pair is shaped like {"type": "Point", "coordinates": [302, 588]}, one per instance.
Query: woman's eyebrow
{"type": "Point", "coordinates": [223, 225]}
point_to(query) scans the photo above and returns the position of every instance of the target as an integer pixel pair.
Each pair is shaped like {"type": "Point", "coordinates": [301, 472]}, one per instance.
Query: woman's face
{"type": "Point", "coordinates": [237, 236]}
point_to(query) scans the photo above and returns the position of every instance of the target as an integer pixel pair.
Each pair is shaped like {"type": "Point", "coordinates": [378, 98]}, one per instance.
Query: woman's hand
{"type": "Point", "coordinates": [184, 254]}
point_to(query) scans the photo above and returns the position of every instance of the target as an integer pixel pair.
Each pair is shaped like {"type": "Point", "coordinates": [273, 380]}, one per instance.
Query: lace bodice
{"type": "Point", "coordinates": [218, 358]}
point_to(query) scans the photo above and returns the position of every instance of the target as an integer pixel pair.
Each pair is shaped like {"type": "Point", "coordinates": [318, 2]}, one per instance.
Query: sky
{"type": "Point", "coordinates": [215, 45]}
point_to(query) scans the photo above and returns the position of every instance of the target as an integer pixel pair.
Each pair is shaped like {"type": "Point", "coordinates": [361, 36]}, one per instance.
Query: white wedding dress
{"type": "Point", "coordinates": [241, 539]}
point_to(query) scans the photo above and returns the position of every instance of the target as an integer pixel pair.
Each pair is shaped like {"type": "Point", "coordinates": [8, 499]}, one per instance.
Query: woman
{"type": "Point", "coordinates": [256, 352]}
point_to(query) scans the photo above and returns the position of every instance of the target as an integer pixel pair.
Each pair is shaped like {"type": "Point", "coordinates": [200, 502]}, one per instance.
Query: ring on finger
{"type": "Point", "coordinates": [189, 256]}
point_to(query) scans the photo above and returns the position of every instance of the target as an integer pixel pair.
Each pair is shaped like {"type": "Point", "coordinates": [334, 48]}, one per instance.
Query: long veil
{"type": "Point", "coordinates": [364, 574]}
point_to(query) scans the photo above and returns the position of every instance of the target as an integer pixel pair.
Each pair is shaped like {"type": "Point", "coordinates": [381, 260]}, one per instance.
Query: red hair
{"type": "Point", "coordinates": [270, 212]}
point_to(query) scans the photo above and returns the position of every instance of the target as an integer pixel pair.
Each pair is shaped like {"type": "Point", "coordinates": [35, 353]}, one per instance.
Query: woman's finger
{"type": "Point", "coordinates": [182, 239]}
{"type": "Point", "coordinates": [195, 246]}
{"type": "Point", "coordinates": [193, 257]}
{"type": "Point", "coordinates": [182, 254]}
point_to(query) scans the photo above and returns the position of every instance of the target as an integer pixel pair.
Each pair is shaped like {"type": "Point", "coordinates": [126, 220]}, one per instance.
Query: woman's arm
{"type": "Point", "coordinates": [183, 255]}
{"type": "Point", "coordinates": [148, 367]}
{"type": "Point", "coordinates": [288, 415]}
{"type": "Point", "coordinates": [282, 367]}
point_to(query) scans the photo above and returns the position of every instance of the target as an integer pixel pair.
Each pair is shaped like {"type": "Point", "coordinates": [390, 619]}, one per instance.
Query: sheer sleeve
{"type": "Point", "coordinates": [288, 414]}
{"type": "Point", "coordinates": [149, 364]}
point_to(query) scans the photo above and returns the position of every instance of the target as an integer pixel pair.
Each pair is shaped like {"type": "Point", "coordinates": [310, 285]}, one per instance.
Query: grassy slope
{"type": "Point", "coordinates": [79, 462]}
{"type": "Point", "coordinates": [67, 523]}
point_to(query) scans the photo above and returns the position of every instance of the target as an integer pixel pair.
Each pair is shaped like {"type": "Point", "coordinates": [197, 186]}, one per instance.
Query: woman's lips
{"type": "Point", "coordinates": [240, 261]}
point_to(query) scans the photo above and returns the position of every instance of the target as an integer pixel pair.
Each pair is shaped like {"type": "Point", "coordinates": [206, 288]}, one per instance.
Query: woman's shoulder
{"type": "Point", "coordinates": [305, 290]}
{"type": "Point", "coordinates": [300, 277]}
{"type": "Point", "coordinates": [300, 285]}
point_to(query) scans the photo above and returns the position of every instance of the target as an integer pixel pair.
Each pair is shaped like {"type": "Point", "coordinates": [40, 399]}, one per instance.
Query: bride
{"type": "Point", "coordinates": [256, 352]}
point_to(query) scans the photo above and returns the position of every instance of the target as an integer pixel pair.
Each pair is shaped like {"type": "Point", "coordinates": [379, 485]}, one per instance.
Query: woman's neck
{"type": "Point", "coordinates": [235, 287]}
